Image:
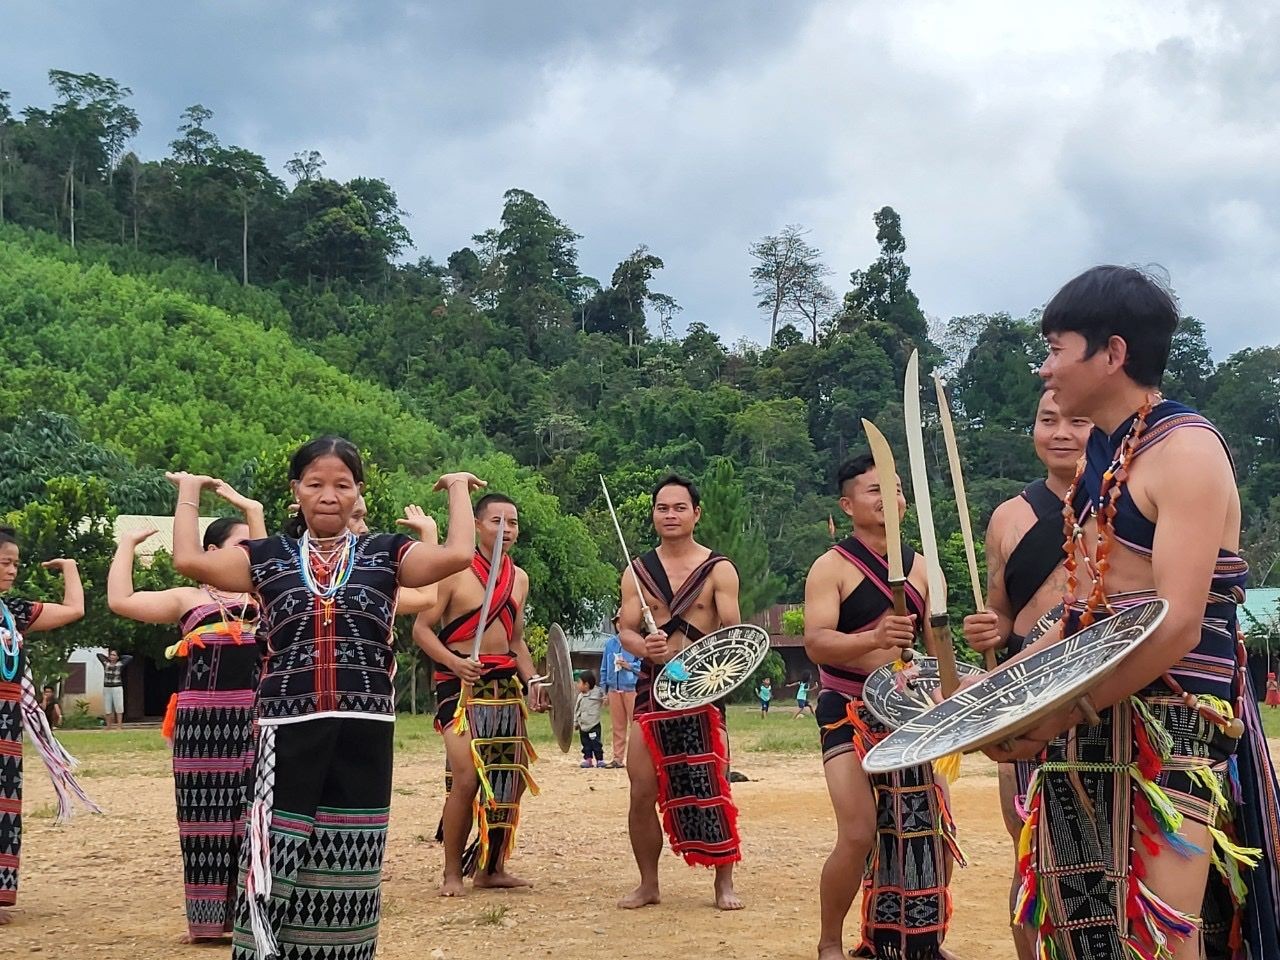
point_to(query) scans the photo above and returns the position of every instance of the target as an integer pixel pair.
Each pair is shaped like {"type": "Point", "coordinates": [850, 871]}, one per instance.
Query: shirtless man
{"type": "Point", "coordinates": [850, 630]}
{"type": "Point", "coordinates": [1127, 856]}
{"type": "Point", "coordinates": [500, 677]}
{"type": "Point", "coordinates": [691, 591]}
{"type": "Point", "coordinates": [1025, 580]}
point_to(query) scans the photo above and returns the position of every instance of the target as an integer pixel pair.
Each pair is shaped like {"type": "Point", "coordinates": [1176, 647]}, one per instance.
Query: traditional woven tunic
{"type": "Point", "coordinates": [689, 748]}
{"type": "Point", "coordinates": [310, 887]}
{"type": "Point", "coordinates": [493, 712]}
{"type": "Point", "coordinates": [212, 733]}
{"type": "Point", "coordinates": [1153, 762]}
{"type": "Point", "coordinates": [906, 904]}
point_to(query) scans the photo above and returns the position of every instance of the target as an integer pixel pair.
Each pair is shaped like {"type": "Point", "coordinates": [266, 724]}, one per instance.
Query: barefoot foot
{"type": "Point", "coordinates": [831, 951]}
{"type": "Point", "coordinates": [6, 917]}
{"type": "Point", "coordinates": [726, 899]}
{"type": "Point", "coordinates": [452, 887]}
{"type": "Point", "coordinates": [498, 881]}
{"type": "Point", "coordinates": [641, 896]}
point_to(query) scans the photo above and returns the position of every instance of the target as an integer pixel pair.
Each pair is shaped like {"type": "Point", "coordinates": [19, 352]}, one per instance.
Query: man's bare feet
{"type": "Point", "coordinates": [452, 887]}
{"type": "Point", "coordinates": [831, 951]}
{"type": "Point", "coordinates": [498, 881]}
{"type": "Point", "coordinates": [641, 896]}
{"type": "Point", "coordinates": [726, 899]}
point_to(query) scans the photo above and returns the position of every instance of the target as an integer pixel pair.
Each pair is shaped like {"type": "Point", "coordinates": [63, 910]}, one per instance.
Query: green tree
{"type": "Point", "coordinates": [883, 290]}
{"type": "Point", "coordinates": [73, 519]}
{"type": "Point", "coordinates": [727, 525]}
{"type": "Point", "coordinates": [539, 263]}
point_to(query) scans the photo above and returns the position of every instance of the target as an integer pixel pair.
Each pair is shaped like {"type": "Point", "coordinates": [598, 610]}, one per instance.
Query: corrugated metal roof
{"type": "Point", "coordinates": [163, 539]}
{"type": "Point", "coordinates": [1260, 606]}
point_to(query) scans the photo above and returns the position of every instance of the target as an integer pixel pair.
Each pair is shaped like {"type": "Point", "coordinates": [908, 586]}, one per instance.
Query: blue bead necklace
{"type": "Point", "coordinates": [10, 655]}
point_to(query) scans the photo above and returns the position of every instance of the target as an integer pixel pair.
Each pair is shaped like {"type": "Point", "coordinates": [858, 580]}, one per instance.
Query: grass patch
{"type": "Point", "coordinates": [492, 916]}
{"type": "Point", "coordinates": [1270, 720]}
{"type": "Point", "coordinates": [89, 743]}
{"type": "Point", "coordinates": [46, 811]}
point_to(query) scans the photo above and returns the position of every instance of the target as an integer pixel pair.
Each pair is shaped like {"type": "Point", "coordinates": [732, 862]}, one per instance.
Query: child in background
{"type": "Point", "coordinates": [586, 716]}
{"type": "Point", "coordinates": [765, 693]}
{"type": "Point", "coordinates": [803, 699]}
{"type": "Point", "coordinates": [1273, 691]}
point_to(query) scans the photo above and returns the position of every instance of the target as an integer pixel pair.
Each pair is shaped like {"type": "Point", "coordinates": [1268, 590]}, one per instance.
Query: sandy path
{"type": "Point", "coordinates": [108, 882]}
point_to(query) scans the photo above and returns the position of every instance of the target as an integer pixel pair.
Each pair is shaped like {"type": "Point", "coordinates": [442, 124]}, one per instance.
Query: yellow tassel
{"type": "Point", "coordinates": [1249, 856]}
{"type": "Point", "coordinates": [948, 767]}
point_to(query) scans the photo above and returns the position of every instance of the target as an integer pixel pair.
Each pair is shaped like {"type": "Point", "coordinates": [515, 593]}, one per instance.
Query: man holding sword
{"type": "Point", "coordinates": [482, 673]}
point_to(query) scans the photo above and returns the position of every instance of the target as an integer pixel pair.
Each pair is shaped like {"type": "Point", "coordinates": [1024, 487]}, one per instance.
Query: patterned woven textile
{"type": "Point", "coordinates": [20, 712]}
{"type": "Point", "coordinates": [10, 790]}
{"type": "Point", "coordinates": [312, 889]}
{"type": "Point", "coordinates": [212, 757]}
{"type": "Point", "coordinates": [493, 712]}
{"type": "Point", "coordinates": [906, 904]}
{"type": "Point", "coordinates": [690, 756]}
{"type": "Point", "coordinates": [1103, 790]}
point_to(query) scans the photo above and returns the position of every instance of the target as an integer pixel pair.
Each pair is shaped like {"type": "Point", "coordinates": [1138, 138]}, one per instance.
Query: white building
{"type": "Point", "coordinates": [84, 676]}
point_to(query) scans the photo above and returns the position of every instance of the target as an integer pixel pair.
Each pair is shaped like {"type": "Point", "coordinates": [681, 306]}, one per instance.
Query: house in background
{"type": "Point", "coordinates": [147, 685]}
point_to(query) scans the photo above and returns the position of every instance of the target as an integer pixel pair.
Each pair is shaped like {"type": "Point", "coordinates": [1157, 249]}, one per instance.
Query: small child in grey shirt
{"type": "Point", "coordinates": [586, 717]}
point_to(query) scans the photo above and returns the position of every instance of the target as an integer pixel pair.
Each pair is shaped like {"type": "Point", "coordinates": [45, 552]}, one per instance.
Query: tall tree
{"type": "Point", "coordinates": [729, 526]}
{"type": "Point", "coordinates": [785, 263]}
{"type": "Point", "coordinates": [1190, 365]}
{"type": "Point", "coordinates": [883, 291]}
{"type": "Point", "coordinates": [250, 181]}
{"type": "Point", "coordinates": [196, 144]}
{"type": "Point", "coordinates": [539, 261]}
{"type": "Point", "coordinates": [6, 122]}
{"type": "Point", "coordinates": [305, 166]}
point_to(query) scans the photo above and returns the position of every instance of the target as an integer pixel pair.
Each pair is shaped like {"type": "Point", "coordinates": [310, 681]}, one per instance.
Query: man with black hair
{"type": "Point", "coordinates": [482, 703]}
{"type": "Point", "coordinates": [691, 591]}
{"type": "Point", "coordinates": [894, 834]}
{"type": "Point", "coordinates": [1025, 580]}
{"type": "Point", "coordinates": [1138, 842]}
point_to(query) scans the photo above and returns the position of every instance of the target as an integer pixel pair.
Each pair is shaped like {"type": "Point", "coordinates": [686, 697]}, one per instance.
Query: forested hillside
{"type": "Point", "coordinates": [197, 311]}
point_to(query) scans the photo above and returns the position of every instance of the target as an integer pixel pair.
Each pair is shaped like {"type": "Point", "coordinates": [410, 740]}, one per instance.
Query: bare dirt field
{"type": "Point", "coordinates": [111, 885]}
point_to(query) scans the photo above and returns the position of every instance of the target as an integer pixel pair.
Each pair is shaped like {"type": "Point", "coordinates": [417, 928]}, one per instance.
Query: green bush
{"type": "Point", "coordinates": [793, 622]}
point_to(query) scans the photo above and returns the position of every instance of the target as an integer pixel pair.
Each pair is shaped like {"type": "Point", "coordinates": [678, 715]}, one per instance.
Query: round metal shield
{"type": "Point", "coordinates": [894, 704]}
{"type": "Point", "coordinates": [715, 666]}
{"type": "Point", "coordinates": [562, 692]}
{"type": "Point", "coordinates": [1015, 698]}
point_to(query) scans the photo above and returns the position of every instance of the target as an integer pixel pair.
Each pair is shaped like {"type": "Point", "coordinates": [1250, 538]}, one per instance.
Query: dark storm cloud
{"type": "Point", "coordinates": [1019, 142]}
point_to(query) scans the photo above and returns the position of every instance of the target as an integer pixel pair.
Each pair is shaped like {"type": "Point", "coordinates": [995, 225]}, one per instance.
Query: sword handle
{"type": "Point", "coordinates": [940, 646]}
{"type": "Point", "coordinates": [646, 614]}
{"type": "Point", "coordinates": [899, 590]}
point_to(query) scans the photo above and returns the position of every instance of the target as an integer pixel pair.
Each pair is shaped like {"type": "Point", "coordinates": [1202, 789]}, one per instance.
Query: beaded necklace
{"type": "Point", "coordinates": [333, 567]}
{"type": "Point", "coordinates": [1104, 511]}
{"type": "Point", "coordinates": [232, 626]}
{"type": "Point", "coordinates": [9, 657]}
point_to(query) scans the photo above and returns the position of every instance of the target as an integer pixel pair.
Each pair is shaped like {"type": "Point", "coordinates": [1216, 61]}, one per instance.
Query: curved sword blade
{"type": "Point", "coordinates": [920, 486]}
{"type": "Point", "coordinates": [490, 584]}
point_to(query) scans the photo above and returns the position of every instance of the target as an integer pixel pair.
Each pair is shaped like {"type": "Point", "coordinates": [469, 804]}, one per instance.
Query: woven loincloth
{"type": "Point", "coordinates": [690, 757]}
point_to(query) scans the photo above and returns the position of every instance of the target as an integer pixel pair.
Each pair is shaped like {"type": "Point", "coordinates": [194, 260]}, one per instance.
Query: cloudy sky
{"type": "Point", "coordinates": [1020, 142]}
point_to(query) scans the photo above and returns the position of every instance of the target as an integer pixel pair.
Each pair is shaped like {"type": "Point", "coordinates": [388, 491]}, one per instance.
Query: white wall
{"type": "Point", "coordinates": [92, 681]}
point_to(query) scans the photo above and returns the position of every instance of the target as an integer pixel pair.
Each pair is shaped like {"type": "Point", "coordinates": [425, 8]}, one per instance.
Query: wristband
{"type": "Point", "coordinates": [188, 503]}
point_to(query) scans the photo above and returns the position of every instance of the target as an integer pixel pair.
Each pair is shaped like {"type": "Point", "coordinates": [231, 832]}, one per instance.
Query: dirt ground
{"type": "Point", "coordinates": [104, 883]}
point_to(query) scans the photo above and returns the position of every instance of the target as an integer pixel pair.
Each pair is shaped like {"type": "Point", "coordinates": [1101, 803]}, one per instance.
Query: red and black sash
{"type": "Point", "coordinates": [501, 609]}
{"type": "Point", "coordinates": [653, 577]}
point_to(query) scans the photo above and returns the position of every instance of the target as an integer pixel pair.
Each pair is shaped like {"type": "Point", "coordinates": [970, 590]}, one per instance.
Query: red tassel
{"type": "Point", "coordinates": [170, 723]}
